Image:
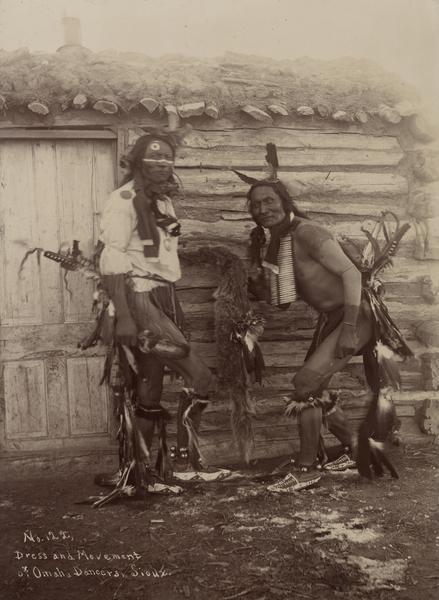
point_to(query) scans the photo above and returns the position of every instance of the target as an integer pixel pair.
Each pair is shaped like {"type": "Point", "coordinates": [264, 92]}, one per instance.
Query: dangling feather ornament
{"type": "Point", "coordinates": [379, 358]}
{"type": "Point", "coordinates": [272, 161]}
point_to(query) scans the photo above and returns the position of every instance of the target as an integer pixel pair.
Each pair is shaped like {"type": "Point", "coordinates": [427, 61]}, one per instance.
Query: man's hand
{"type": "Point", "coordinates": [257, 285]}
{"type": "Point", "coordinates": [347, 342]}
{"type": "Point", "coordinates": [126, 331]}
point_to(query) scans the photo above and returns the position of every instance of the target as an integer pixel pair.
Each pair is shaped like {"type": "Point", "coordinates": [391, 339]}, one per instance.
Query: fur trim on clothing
{"type": "Point", "coordinates": [326, 402]}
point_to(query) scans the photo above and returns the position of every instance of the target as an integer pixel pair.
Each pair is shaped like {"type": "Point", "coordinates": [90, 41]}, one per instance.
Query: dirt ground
{"type": "Point", "coordinates": [346, 538]}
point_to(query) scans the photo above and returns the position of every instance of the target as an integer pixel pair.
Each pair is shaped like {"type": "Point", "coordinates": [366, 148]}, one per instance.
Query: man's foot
{"type": "Point", "coordinates": [152, 483]}
{"type": "Point", "coordinates": [342, 463]}
{"type": "Point", "coordinates": [285, 467]}
{"type": "Point", "coordinates": [159, 487]}
{"type": "Point", "coordinates": [111, 479]}
{"type": "Point", "coordinates": [290, 465]}
{"type": "Point", "coordinates": [299, 479]}
{"type": "Point", "coordinates": [183, 470]}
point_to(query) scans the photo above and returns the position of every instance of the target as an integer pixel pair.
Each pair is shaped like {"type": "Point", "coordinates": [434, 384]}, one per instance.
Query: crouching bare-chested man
{"type": "Point", "coordinates": [304, 260]}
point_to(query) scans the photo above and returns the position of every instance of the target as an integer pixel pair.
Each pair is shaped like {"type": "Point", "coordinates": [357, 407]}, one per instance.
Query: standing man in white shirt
{"type": "Point", "coordinates": [139, 266]}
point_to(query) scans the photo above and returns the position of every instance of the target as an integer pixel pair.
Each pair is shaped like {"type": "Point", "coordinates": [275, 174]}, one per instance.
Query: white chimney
{"type": "Point", "coordinates": [72, 31]}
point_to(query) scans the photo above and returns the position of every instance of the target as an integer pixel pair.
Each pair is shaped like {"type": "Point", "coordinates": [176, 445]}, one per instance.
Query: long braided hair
{"type": "Point", "coordinates": [257, 234]}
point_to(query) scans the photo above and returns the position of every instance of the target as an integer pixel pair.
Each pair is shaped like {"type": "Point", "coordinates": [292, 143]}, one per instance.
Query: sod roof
{"type": "Point", "coordinates": [230, 81]}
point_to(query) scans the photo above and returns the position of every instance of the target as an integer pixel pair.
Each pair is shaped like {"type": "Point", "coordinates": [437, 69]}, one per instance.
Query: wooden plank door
{"type": "Point", "coordinates": [51, 192]}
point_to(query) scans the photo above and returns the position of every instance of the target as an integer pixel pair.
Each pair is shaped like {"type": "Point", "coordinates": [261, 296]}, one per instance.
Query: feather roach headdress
{"type": "Point", "coordinates": [272, 180]}
{"type": "Point", "coordinates": [272, 167]}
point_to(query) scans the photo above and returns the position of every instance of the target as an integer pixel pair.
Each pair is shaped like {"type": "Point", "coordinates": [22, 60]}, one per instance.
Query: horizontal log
{"type": "Point", "coordinates": [281, 441]}
{"type": "Point", "coordinates": [406, 270]}
{"type": "Point", "coordinates": [247, 158]}
{"type": "Point", "coordinates": [410, 291]}
{"type": "Point", "coordinates": [277, 354]}
{"type": "Point", "coordinates": [271, 410]}
{"type": "Point", "coordinates": [343, 225]}
{"type": "Point", "coordinates": [88, 117]}
{"type": "Point", "coordinates": [272, 427]}
{"type": "Point", "coordinates": [283, 429]}
{"type": "Point", "coordinates": [404, 313]}
{"type": "Point", "coordinates": [197, 296]}
{"type": "Point", "coordinates": [290, 353]}
{"type": "Point", "coordinates": [296, 339]}
{"type": "Point", "coordinates": [319, 211]}
{"type": "Point", "coordinates": [351, 378]}
{"type": "Point", "coordinates": [286, 138]}
{"type": "Point", "coordinates": [217, 233]}
{"type": "Point", "coordinates": [197, 275]}
{"type": "Point", "coordinates": [346, 207]}
{"type": "Point", "coordinates": [235, 235]}
{"type": "Point", "coordinates": [272, 314]}
{"type": "Point", "coordinates": [204, 182]}
{"type": "Point", "coordinates": [227, 233]}
{"type": "Point", "coordinates": [405, 273]}
{"type": "Point", "coordinates": [60, 134]}
{"type": "Point", "coordinates": [274, 402]}
{"type": "Point", "coordinates": [292, 122]}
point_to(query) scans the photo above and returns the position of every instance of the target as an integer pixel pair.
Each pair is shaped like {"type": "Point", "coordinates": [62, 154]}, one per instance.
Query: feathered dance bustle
{"type": "Point", "coordinates": [381, 418]}
{"type": "Point", "coordinates": [379, 357]}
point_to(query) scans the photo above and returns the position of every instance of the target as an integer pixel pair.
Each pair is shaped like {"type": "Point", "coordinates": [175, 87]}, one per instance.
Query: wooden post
{"type": "Point", "coordinates": [122, 143]}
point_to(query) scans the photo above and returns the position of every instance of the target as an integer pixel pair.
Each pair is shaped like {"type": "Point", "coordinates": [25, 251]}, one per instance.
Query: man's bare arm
{"type": "Point", "coordinates": [325, 250]}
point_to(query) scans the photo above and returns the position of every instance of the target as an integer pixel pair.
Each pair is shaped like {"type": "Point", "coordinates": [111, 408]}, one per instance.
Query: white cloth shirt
{"type": "Point", "coordinates": [123, 251]}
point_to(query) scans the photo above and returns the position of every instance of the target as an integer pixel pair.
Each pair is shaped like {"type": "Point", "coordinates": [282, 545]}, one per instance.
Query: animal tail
{"type": "Point", "coordinates": [381, 417]}
{"type": "Point", "coordinates": [242, 422]}
{"type": "Point", "coordinates": [371, 457]}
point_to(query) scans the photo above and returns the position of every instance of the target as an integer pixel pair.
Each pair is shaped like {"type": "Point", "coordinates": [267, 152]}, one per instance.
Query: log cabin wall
{"type": "Point", "coordinates": [344, 178]}
{"type": "Point", "coordinates": [344, 167]}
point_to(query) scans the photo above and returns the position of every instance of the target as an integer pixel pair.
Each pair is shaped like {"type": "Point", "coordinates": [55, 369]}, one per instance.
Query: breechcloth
{"type": "Point", "coordinates": [312, 401]}
{"type": "Point", "coordinates": [320, 362]}
{"type": "Point", "coordinates": [313, 404]}
{"type": "Point", "coordinates": [159, 312]}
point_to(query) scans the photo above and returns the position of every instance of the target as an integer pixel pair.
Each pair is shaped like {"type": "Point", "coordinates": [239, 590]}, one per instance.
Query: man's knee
{"type": "Point", "coordinates": [306, 383]}
{"type": "Point", "coordinates": [205, 380]}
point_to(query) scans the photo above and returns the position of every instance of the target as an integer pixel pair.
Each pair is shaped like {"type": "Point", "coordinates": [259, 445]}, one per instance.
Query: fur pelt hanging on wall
{"type": "Point", "coordinates": [234, 321]}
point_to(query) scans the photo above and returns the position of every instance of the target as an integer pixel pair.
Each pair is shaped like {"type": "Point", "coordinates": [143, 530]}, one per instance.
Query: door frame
{"type": "Point", "coordinates": [115, 134]}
